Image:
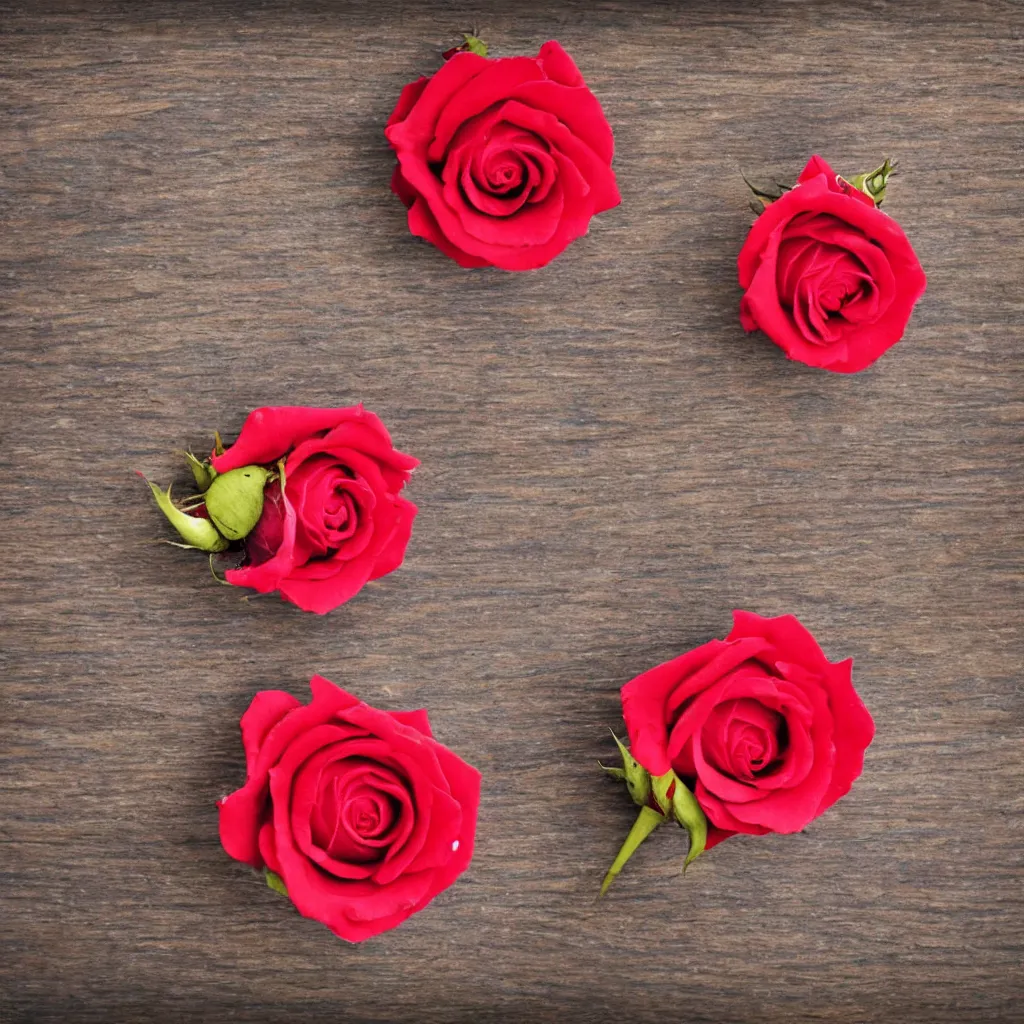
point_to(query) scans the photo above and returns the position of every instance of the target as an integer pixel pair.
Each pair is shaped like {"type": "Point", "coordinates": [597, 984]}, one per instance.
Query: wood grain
{"type": "Point", "coordinates": [196, 220]}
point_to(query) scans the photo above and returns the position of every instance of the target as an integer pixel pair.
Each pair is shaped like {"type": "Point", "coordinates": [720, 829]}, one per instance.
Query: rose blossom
{"type": "Point", "coordinates": [827, 276]}
{"type": "Point", "coordinates": [340, 520]}
{"type": "Point", "coordinates": [761, 726]}
{"type": "Point", "coordinates": [361, 814]}
{"type": "Point", "coordinates": [502, 162]}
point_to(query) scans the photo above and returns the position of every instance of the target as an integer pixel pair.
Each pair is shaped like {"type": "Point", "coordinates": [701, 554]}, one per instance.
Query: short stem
{"type": "Point", "coordinates": [647, 821]}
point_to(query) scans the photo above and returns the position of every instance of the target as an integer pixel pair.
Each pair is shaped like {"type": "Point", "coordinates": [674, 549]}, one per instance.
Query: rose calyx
{"type": "Point", "coordinates": [871, 184]}
{"type": "Point", "coordinates": [660, 798]}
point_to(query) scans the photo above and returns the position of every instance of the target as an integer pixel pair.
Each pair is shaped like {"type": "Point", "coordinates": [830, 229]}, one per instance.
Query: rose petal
{"type": "Point", "coordinates": [392, 551]}
{"type": "Point", "coordinates": [267, 708]}
{"type": "Point", "coordinates": [401, 187]}
{"type": "Point", "coordinates": [854, 731]}
{"type": "Point", "coordinates": [818, 166]}
{"type": "Point", "coordinates": [785, 632]}
{"type": "Point", "coordinates": [423, 224]}
{"type": "Point", "coordinates": [416, 129]}
{"type": "Point", "coordinates": [721, 818]}
{"type": "Point", "coordinates": [268, 847]}
{"type": "Point", "coordinates": [716, 835]}
{"type": "Point", "coordinates": [417, 720]}
{"type": "Point", "coordinates": [321, 596]}
{"type": "Point", "coordinates": [269, 432]}
{"type": "Point", "coordinates": [728, 657]}
{"type": "Point", "coordinates": [644, 705]}
{"type": "Point", "coordinates": [267, 576]}
{"type": "Point", "coordinates": [558, 65]}
{"type": "Point", "coordinates": [494, 84]}
{"type": "Point", "coordinates": [578, 109]}
{"type": "Point", "coordinates": [407, 99]}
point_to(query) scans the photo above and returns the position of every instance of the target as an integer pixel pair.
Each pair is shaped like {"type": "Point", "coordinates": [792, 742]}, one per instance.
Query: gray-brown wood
{"type": "Point", "coordinates": [195, 219]}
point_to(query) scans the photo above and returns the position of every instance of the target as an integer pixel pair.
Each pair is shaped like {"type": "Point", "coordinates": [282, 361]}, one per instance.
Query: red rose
{"type": "Point", "coordinates": [340, 521]}
{"type": "Point", "coordinates": [364, 816]}
{"type": "Point", "coordinates": [502, 162]}
{"type": "Point", "coordinates": [766, 731]}
{"type": "Point", "coordinates": [828, 277]}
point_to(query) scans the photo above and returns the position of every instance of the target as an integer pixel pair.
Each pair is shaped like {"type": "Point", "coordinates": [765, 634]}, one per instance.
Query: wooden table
{"type": "Point", "coordinates": [196, 220]}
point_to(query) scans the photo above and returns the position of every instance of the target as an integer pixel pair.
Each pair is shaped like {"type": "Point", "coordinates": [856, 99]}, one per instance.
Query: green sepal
{"type": "Point", "coordinates": [646, 822]}
{"type": "Point", "coordinates": [873, 183]}
{"type": "Point", "coordinates": [234, 500]}
{"type": "Point", "coordinates": [764, 197]}
{"type": "Point", "coordinates": [661, 786]}
{"type": "Point", "coordinates": [683, 807]}
{"type": "Point", "coordinates": [473, 44]}
{"type": "Point", "coordinates": [635, 775]}
{"type": "Point", "coordinates": [690, 816]}
{"type": "Point", "coordinates": [275, 882]}
{"type": "Point", "coordinates": [197, 533]}
{"type": "Point", "coordinates": [619, 774]}
{"type": "Point", "coordinates": [203, 472]}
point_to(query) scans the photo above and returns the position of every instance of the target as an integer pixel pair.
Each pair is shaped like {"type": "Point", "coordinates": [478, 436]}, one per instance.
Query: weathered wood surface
{"type": "Point", "coordinates": [196, 220]}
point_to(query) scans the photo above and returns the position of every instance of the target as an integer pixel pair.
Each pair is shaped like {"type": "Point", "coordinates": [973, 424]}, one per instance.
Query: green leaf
{"type": "Point", "coordinates": [197, 533]}
{"type": "Point", "coordinates": [234, 500]}
{"type": "Point", "coordinates": [637, 777]}
{"type": "Point", "coordinates": [276, 882]}
{"type": "Point", "coordinates": [647, 821]}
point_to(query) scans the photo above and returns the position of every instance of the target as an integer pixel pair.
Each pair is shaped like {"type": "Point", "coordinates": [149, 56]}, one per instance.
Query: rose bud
{"type": "Point", "coordinates": [234, 500]}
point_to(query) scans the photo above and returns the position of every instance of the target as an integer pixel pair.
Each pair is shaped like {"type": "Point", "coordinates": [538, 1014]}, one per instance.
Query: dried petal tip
{"type": "Point", "coordinates": [873, 183]}
{"type": "Point", "coordinates": [234, 500]}
{"type": "Point", "coordinates": [195, 532]}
